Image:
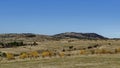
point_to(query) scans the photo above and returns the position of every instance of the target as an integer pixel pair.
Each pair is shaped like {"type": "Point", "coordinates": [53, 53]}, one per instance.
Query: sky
{"type": "Point", "coordinates": [58, 16]}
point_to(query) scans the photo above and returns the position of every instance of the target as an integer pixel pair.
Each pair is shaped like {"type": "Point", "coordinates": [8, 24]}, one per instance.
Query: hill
{"type": "Point", "coordinates": [39, 37]}
{"type": "Point", "coordinates": [79, 35]}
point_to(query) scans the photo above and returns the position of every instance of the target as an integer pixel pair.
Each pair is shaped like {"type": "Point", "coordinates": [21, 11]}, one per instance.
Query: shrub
{"type": "Point", "coordinates": [10, 56]}
{"type": "Point", "coordinates": [3, 55]}
{"type": "Point", "coordinates": [0, 54]}
{"type": "Point", "coordinates": [63, 50]}
{"type": "Point", "coordinates": [82, 52]}
{"type": "Point", "coordinates": [61, 54]}
{"type": "Point", "coordinates": [46, 54]}
{"type": "Point", "coordinates": [35, 43]}
{"type": "Point", "coordinates": [70, 47]}
{"type": "Point", "coordinates": [11, 44]}
{"type": "Point", "coordinates": [99, 51]}
{"type": "Point", "coordinates": [102, 51]}
{"type": "Point", "coordinates": [1, 59]}
{"type": "Point", "coordinates": [34, 54]}
{"type": "Point", "coordinates": [92, 51]}
{"type": "Point", "coordinates": [23, 55]}
{"type": "Point", "coordinates": [117, 50]}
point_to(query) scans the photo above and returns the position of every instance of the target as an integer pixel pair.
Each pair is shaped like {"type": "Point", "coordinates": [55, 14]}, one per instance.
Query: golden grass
{"type": "Point", "coordinates": [105, 56]}
{"type": "Point", "coordinates": [59, 45]}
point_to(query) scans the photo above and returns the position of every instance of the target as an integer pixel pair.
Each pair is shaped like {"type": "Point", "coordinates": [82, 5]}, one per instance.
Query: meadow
{"type": "Point", "coordinates": [68, 54]}
{"type": "Point", "coordinates": [82, 61]}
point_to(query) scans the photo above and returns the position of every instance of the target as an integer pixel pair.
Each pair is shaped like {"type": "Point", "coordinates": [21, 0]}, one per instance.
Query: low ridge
{"type": "Point", "coordinates": [79, 35]}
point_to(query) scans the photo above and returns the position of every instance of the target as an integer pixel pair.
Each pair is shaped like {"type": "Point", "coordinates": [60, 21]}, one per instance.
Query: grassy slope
{"type": "Point", "coordinates": [81, 61]}
{"type": "Point", "coordinates": [61, 44]}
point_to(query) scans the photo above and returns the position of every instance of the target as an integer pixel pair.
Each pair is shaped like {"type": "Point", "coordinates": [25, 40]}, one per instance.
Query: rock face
{"type": "Point", "coordinates": [79, 35]}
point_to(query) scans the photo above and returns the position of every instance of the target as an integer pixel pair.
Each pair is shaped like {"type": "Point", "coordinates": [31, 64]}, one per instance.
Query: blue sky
{"type": "Point", "coordinates": [57, 16]}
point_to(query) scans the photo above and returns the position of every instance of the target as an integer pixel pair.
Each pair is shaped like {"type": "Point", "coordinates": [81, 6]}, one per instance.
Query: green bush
{"type": "Point", "coordinates": [2, 54]}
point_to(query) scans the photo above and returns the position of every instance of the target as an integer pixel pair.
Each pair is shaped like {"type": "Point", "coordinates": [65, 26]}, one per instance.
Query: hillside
{"type": "Point", "coordinates": [79, 35]}
{"type": "Point", "coordinates": [39, 37]}
{"type": "Point", "coordinates": [23, 37]}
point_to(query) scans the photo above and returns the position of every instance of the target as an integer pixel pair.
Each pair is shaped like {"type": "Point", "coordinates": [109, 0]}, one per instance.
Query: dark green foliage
{"type": "Point", "coordinates": [12, 44]}
{"type": "Point", "coordinates": [2, 54]}
{"type": "Point", "coordinates": [16, 44]}
{"type": "Point", "coordinates": [29, 35]}
{"type": "Point", "coordinates": [1, 43]}
{"type": "Point", "coordinates": [35, 43]}
{"type": "Point", "coordinates": [70, 47]}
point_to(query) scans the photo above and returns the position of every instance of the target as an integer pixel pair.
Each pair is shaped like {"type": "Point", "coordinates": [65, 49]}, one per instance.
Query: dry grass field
{"type": "Point", "coordinates": [72, 58]}
{"type": "Point", "coordinates": [83, 61]}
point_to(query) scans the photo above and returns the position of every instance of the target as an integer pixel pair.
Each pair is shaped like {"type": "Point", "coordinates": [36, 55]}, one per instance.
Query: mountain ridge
{"type": "Point", "coordinates": [59, 36]}
{"type": "Point", "coordinates": [79, 35]}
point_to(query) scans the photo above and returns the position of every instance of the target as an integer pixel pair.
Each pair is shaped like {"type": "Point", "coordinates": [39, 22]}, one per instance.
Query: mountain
{"type": "Point", "coordinates": [79, 35]}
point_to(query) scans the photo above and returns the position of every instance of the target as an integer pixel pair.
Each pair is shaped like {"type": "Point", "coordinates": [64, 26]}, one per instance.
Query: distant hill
{"type": "Point", "coordinates": [24, 37]}
{"type": "Point", "coordinates": [115, 38]}
{"type": "Point", "coordinates": [79, 35]}
{"type": "Point", "coordinates": [39, 37]}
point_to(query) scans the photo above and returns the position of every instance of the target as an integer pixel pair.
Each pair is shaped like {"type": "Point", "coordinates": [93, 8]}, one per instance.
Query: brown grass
{"type": "Point", "coordinates": [105, 56]}
{"type": "Point", "coordinates": [81, 61]}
